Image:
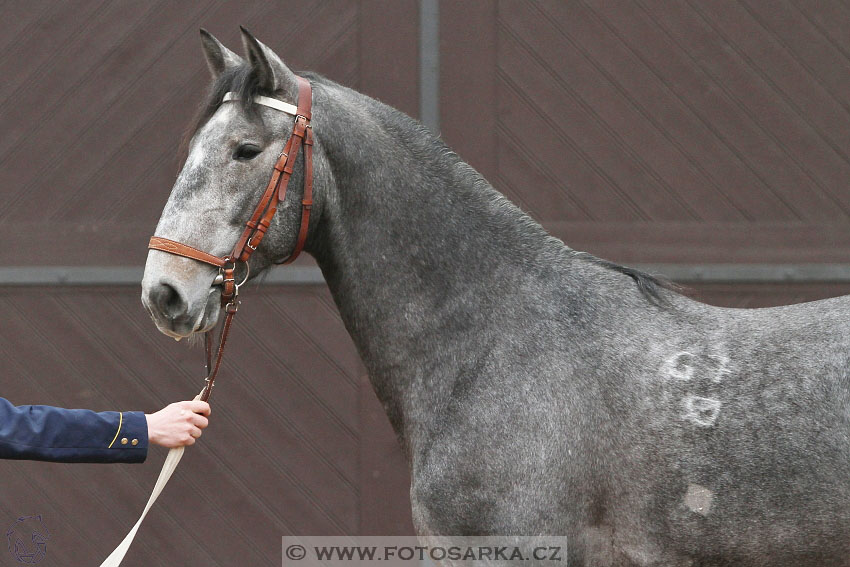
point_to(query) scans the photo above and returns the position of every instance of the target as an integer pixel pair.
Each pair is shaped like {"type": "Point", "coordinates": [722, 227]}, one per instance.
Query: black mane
{"type": "Point", "coordinates": [241, 80]}
{"type": "Point", "coordinates": [649, 285]}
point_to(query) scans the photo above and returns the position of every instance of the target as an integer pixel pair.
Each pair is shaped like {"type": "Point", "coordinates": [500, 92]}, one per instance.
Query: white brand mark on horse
{"type": "Point", "coordinates": [698, 499]}
{"type": "Point", "coordinates": [701, 411]}
{"type": "Point", "coordinates": [679, 366]}
{"type": "Point", "coordinates": [722, 361]}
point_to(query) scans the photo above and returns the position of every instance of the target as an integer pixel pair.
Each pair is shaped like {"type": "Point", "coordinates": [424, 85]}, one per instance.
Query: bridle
{"type": "Point", "coordinates": [256, 227]}
{"type": "Point", "coordinates": [252, 235]}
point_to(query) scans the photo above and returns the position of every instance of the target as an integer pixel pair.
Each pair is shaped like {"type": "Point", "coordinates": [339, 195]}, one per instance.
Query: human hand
{"type": "Point", "coordinates": [178, 424]}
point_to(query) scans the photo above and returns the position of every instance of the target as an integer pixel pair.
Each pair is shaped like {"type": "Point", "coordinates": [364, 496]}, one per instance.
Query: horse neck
{"type": "Point", "coordinates": [420, 254]}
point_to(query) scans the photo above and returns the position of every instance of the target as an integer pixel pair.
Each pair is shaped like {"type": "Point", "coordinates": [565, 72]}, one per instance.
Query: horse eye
{"type": "Point", "coordinates": [246, 151]}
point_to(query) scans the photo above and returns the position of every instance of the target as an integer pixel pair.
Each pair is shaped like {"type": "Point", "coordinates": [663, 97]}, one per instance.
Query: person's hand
{"type": "Point", "coordinates": [178, 424]}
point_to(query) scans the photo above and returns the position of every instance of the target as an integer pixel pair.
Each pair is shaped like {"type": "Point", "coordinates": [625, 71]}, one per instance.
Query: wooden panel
{"type": "Point", "coordinates": [383, 473]}
{"type": "Point", "coordinates": [774, 133]}
{"type": "Point", "coordinates": [97, 96]}
{"type": "Point", "coordinates": [693, 120]}
{"type": "Point", "coordinates": [711, 243]}
{"type": "Point", "coordinates": [640, 130]}
{"type": "Point", "coordinates": [389, 53]}
{"type": "Point", "coordinates": [686, 151]}
{"type": "Point", "coordinates": [763, 295]}
{"type": "Point", "coordinates": [282, 454]}
{"type": "Point", "coordinates": [468, 42]}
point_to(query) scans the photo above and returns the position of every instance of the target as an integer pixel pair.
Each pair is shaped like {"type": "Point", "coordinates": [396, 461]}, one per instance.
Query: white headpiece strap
{"type": "Point", "coordinates": [266, 101]}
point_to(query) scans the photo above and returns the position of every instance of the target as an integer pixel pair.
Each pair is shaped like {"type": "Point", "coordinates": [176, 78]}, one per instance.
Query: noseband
{"type": "Point", "coordinates": [256, 227]}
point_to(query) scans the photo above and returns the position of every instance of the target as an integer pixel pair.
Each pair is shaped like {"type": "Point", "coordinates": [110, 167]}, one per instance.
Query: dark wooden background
{"type": "Point", "coordinates": [643, 131]}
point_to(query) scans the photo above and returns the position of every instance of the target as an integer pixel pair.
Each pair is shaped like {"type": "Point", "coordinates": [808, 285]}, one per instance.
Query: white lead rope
{"type": "Point", "coordinates": [171, 462]}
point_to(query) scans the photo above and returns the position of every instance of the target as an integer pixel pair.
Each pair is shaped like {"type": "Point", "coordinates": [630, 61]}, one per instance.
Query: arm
{"type": "Point", "coordinates": [47, 433]}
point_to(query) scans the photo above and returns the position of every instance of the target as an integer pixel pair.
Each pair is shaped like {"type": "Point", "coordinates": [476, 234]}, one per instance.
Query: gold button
{"type": "Point", "coordinates": [135, 441]}
{"type": "Point", "coordinates": [123, 440]}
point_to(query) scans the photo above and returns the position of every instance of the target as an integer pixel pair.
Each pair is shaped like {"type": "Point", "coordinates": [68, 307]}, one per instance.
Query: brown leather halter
{"type": "Point", "coordinates": [256, 227]}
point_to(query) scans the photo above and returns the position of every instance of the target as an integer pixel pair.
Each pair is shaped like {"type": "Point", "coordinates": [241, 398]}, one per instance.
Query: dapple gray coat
{"type": "Point", "coordinates": [535, 389]}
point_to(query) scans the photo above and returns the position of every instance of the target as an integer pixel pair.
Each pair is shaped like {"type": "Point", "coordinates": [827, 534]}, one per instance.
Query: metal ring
{"type": "Point", "coordinates": [219, 279]}
{"type": "Point", "coordinates": [247, 274]}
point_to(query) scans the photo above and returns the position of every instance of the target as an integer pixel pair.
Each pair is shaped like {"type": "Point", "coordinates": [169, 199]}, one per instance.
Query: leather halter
{"type": "Point", "coordinates": [256, 227]}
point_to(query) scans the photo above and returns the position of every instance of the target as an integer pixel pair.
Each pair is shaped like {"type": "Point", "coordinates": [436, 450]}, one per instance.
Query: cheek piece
{"type": "Point", "coordinates": [256, 227]}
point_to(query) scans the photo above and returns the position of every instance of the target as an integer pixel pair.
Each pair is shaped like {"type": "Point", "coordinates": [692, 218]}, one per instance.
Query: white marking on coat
{"type": "Point", "coordinates": [699, 499]}
{"type": "Point", "coordinates": [196, 157]}
{"type": "Point", "coordinates": [679, 366]}
{"type": "Point", "coordinates": [723, 367]}
{"type": "Point", "coordinates": [701, 411]}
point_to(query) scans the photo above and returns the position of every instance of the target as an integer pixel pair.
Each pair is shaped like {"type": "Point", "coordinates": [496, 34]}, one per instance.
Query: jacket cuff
{"type": "Point", "coordinates": [131, 437]}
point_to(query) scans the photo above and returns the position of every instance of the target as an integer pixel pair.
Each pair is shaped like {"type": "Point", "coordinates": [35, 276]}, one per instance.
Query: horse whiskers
{"type": "Point", "coordinates": [195, 340]}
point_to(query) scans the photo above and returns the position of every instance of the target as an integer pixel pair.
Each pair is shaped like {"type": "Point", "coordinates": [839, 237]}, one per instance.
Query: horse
{"type": "Point", "coordinates": [535, 389]}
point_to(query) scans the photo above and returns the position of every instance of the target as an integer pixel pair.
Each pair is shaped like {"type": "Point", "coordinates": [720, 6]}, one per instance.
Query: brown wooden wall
{"type": "Point", "coordinates": [298, 443]}
{"type": "Point", "coordinates": [95, 99]}
{"type": "Point", "coordinates": [641, 130]}
{"type": "Point", "coordinates": [660, 131]}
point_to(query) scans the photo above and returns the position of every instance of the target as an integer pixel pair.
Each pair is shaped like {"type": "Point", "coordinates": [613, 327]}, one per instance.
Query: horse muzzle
{"type": "Point", "coordinates": [181, 296]}
{"type": "Point", "coordinates": [176, 316]}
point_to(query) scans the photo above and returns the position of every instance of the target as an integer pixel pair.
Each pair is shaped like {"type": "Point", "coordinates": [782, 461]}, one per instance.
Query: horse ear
{"type": "Point", "coordinates": [219, 58]}
{"type": "Point", "coordinates": [273, 75]}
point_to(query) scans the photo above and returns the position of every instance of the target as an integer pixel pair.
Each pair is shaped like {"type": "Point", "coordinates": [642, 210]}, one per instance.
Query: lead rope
{"type": "Point", "coordinates": [171, 462]}
{"type": "Point", "coordinates": [174, 455]}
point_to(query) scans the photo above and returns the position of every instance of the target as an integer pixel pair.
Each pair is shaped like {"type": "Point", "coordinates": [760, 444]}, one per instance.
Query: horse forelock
{"type": "Point", "coordinates": [243, 81]}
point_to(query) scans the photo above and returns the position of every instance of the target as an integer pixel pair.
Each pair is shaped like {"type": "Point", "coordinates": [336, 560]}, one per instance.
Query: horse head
{"type": "Point", "coordinates": [234, 148]}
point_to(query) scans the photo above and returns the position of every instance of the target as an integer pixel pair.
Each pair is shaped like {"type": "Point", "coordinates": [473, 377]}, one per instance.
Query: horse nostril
{"type": "Point", "coordinates": [168, 300]}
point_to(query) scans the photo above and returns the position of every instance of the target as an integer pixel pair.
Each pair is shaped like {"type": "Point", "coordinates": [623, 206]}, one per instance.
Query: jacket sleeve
{"type": "Point", "coordinates": [46, 433]}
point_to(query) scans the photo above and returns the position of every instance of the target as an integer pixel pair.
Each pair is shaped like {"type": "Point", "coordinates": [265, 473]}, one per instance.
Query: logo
{"type": "Point", "coordinates": [28, 539]}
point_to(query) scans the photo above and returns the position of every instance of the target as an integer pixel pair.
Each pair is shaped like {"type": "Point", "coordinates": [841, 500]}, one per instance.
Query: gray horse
{"type": "Point", "coordinates": [535, 389]}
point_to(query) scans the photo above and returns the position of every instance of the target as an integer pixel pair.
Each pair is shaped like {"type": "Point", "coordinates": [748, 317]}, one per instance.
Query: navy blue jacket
{"type": "Point", "coordinates": [45, 433]}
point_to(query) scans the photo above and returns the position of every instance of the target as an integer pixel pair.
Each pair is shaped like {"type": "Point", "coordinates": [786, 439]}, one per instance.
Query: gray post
{"type": "Point", "coordinates": [429, 64]}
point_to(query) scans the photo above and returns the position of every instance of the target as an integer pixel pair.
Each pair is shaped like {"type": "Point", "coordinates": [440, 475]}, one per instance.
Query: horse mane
{"type": "Point", "coordinates": [650, 285]}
